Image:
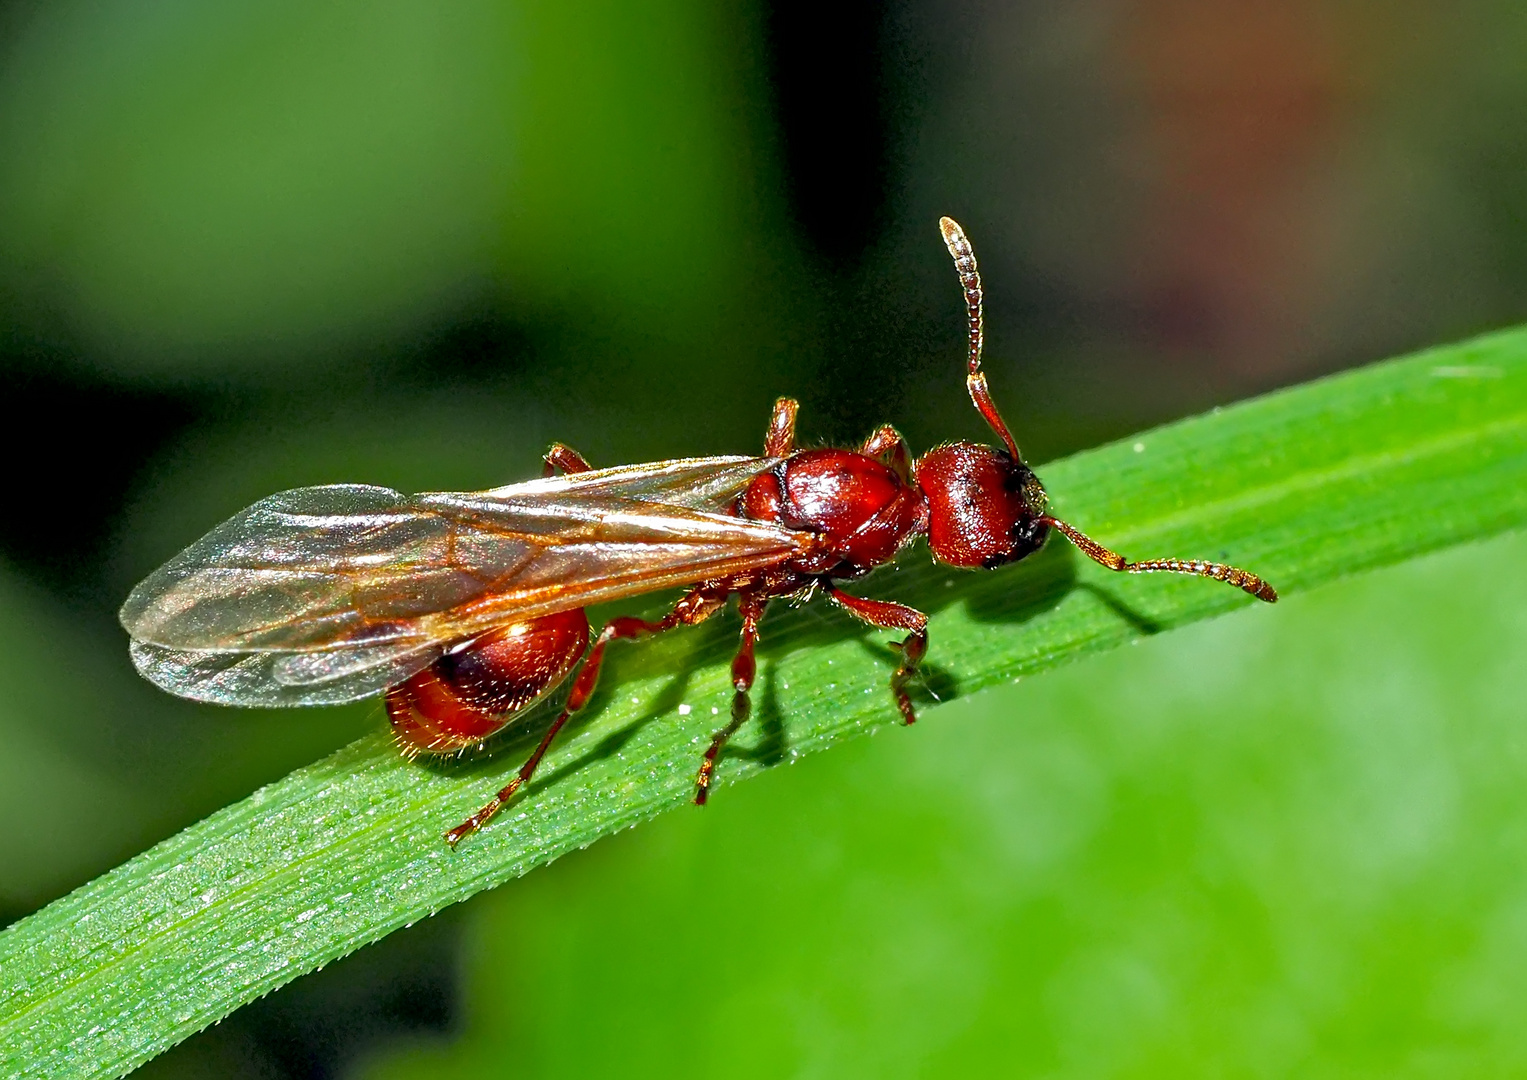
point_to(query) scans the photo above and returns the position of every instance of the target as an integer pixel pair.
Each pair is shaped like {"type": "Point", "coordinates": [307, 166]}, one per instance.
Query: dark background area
{"type": "Point", "coordinates": [251, 247]}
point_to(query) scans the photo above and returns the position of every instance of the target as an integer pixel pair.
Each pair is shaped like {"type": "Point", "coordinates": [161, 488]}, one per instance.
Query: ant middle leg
{"type": "Point", "coordinates": [695, 606]}
{"type": "Point", "coordinates": [887, 444]}
{"type": "Point", "coordinates": [565, 458]}
{"type": "Point", "coordinates": [891, 616]}
{"type": "Point", "coordinates": [744, 670]}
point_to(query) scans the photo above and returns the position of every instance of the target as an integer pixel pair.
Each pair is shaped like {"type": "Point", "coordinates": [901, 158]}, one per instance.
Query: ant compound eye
{"type": "Point", "coordinates": [1028, 536]}
{"type": "Point", "coordinates": [983, 507]}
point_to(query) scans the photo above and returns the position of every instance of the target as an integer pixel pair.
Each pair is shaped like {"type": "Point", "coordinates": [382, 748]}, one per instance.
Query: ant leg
{"type": "Point", "coordinates": [890, 616]}
{"type": "Point", "coordinates": [1231, 575]}
{"type": "Point", "coordinates": [780, 439]}
{"type": "Point", "coordinates": [886, 443]}
{"type": "Point", "coordinates": [694, 607]}
{"type": "Point", "coordinates": [744, 669]}
{"type": "Point", "coordinates": [565, 458]}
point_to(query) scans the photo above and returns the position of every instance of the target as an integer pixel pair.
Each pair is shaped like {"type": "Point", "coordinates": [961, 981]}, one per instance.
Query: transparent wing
{"type": "Point", "coordinates": [330, 593]}
{"type": "Point", "coordinates": [275, 678]}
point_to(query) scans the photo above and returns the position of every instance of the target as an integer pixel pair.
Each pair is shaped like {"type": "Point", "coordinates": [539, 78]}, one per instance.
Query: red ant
{"type": "Point", "coordinates": [469, 607]}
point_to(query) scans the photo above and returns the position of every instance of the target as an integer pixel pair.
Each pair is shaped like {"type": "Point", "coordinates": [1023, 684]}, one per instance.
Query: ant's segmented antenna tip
{"type": "Point", "coordinates": [964, 255]}
{"type": "Point", "coordinates": [970, 283]}
{"type": "Point", "coordinates": [1244, 580]}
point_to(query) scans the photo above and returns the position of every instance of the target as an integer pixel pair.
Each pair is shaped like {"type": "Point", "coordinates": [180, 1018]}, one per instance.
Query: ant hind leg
{"type": "Point", "coordinates": [695, 606]}
{"type": "Point", "coordinates": [744, 670]}
{"type": "Point", "coordinates": [780, 438]}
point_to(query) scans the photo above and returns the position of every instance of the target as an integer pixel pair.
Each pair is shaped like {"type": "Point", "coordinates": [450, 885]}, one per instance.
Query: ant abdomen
{"type": "Point", "coordinates": [471, 692]}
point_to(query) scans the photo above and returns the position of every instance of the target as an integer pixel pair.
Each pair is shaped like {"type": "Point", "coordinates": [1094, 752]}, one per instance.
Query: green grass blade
{"type": "Point", "coordinates": [1302, 486]}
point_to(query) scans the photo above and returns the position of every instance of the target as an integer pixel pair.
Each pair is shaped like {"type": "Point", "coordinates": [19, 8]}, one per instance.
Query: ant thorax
{"type": "Point", "coordinates": [863, 510]}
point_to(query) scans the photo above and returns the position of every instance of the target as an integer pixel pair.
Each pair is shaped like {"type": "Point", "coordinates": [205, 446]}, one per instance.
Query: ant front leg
{"type": "Point", "coordinates": [744, 669]}
{"type": "Point", "coordinates": [887, 444]}
{"type": "Point", "coordinates": [890, 616]}
{"type": "Point", "coordinates": [695, 606]}
{"type": "Point", "coordinates": [565, 458]}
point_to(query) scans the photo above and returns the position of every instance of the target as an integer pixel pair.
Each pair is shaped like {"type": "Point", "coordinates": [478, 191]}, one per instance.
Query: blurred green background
{"type": "Point", "coordinates": [246, 247]}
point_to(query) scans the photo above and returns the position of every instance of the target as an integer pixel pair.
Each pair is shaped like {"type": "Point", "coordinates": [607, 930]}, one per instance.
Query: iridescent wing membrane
{"type": "Point", "coordinates": [327, 594]}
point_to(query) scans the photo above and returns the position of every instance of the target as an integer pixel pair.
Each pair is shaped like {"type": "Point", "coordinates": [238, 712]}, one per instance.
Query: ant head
{"type": "Point", "coordinates": [985, 508]}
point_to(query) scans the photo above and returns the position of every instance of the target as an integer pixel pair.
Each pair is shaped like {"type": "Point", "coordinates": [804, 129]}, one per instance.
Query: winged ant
{"type": "Point", "coordinates": [468, 608]}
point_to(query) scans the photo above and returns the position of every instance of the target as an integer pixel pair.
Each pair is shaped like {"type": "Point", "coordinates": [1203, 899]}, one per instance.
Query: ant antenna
{"type": "Point", "coordinates": [975, 381]}
{"type": "Point", "coordinates": [970, 281]}
{"type": "Point", "coordinates": [1230, 575]}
